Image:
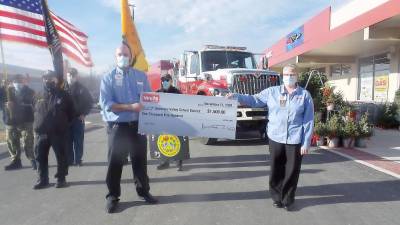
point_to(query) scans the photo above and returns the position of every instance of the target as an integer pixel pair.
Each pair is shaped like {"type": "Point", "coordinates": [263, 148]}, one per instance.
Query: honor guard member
{"type": "Point", "coordinates": [19, 121]}
{"type": "Point", "coordinates": [83, 102]}
{"type": "Point", "coordinates": [290, 128]}
{"type": "Point", "coordinates": [120, 102]}
{"type": "Point", "coordinates": [167, 87]}
{"type": "Point", "coordinates": [54, 112]}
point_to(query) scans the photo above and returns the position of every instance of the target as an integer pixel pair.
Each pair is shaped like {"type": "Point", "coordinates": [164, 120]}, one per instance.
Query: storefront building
{"type": "Point", "coordinates": [356, 46]}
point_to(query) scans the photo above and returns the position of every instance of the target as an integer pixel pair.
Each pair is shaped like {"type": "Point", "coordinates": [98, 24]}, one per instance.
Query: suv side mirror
{"type": "Point", "coordinates": [264, 62]}
{"type": "Point", "coordinates": [182, 65]}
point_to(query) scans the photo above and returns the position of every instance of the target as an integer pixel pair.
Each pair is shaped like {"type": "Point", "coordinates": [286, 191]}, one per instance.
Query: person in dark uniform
{"type": "Point", "coordinates": [54, 112]}
{"type": "Point", "coordinates": [167, 87]}
{"type": "Point", "coordinates": [19, 119]}
{"type": "Point", "coordinates": [83, 102]}
{"type": "Point", "coordinates": [120, 92]}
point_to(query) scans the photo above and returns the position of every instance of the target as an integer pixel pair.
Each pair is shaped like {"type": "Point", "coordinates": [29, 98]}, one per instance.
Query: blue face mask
{"type": "Point", "coordinates": [289, 81]}
{"type": "Point", "coordinates": [166, 85]}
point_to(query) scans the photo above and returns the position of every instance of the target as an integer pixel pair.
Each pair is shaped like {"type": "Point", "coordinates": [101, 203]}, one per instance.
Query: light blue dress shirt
{"type": "Point", "coordinates": [122, 86]}
{"type": "Point", "coordinates": [291, 116]}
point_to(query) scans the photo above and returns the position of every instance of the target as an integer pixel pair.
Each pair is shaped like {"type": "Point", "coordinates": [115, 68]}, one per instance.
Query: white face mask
{"type": "Point", "coordinates": [289, 81]}
{"type": "Point", "coordinates": [70, 80]}
{"type": "Point", "coordinates": [122, 61]}
{"type": "Point", "coordinates": [18, 86]}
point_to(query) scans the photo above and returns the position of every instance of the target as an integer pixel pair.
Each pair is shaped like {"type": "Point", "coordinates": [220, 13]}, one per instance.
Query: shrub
{"type": "Point", "coordinates": [334, 125]}
{"type": "Point", "coordinates": [364, 128]}
{"type": "Point", "coordinates": [387, 118]}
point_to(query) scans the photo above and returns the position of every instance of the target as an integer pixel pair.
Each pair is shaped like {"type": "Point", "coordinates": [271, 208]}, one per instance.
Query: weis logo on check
{"type": "Point", "coordinates": [151, 97]}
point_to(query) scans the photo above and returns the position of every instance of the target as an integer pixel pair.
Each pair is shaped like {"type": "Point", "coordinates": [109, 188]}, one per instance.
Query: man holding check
{"type": "Point", "coordinates": [120, 93]}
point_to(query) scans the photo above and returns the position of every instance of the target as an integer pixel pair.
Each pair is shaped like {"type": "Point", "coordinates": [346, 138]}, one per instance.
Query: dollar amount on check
{"type": "Point", "coordinates": [188, 115]}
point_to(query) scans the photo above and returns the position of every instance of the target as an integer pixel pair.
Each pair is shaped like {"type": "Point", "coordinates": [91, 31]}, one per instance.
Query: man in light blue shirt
{"type": "Point", "coordinates": [120, 93]}
{"type": "Point", "coordinates": [290, 128]}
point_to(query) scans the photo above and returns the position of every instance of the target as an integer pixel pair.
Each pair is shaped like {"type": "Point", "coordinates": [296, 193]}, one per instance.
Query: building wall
{"type": "Point", "coordinates": [351, 10]}
{"type": "Point", "coordinates": [347, 84]}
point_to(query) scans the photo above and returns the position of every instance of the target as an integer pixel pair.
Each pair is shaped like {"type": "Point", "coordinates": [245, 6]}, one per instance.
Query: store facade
{"type": "Point", "coordinates": [356, 46]}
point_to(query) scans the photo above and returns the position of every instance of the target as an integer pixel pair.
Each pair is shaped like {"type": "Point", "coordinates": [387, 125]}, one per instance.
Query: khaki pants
{"type": "Point", "coordinates": [14, 135]}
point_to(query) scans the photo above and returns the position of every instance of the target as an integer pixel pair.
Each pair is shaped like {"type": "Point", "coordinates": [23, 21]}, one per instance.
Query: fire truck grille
{"type": "Point", "coordinates": [251, 84]}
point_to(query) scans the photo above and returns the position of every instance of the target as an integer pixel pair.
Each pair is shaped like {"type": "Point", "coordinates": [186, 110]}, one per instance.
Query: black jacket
{"type": "Point", "coordinates": [172, 90]}
{"type": "Point", "coordinates": [54, 112]}
{"type": "Point", "coordinates": [82, 99]}
{"type": "Point", "coordinates": [22, 109]}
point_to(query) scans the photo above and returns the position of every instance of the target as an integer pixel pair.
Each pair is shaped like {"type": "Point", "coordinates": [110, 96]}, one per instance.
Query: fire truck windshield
{"type": "Point", "coordinates": [214, 60]}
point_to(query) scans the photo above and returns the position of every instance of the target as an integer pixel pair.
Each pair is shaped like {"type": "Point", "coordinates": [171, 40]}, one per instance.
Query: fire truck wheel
{"type": "Point", "coordinates": [209, 141]}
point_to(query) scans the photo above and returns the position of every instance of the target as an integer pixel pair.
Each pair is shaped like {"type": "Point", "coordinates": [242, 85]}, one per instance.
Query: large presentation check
{"type": "Point", "coordinates": [188, 115]}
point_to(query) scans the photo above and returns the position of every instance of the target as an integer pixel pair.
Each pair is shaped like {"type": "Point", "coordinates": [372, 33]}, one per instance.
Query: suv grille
{"type": "Point", "coordinates": [251, 84]}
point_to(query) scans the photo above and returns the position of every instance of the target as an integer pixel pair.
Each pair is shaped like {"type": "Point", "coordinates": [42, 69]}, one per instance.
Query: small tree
{"type": "Point", "coordinates": [314, 87]}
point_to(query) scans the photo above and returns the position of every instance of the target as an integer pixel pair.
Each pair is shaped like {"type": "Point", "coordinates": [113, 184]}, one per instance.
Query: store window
{"type": "Point", "coordinates": [340, 70]}
{"type": "Point", "coordinates": [374, 78]}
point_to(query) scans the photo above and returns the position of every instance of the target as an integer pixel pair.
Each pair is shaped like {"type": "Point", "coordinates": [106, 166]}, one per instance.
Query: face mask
{"type": "Point", "coordinates": [18, 86]}
{"type": "Point", "coordinates": [289, 81]}
{"type": "Point", "coordinates": [50, 86]}
{"type": "Point", "coordinates": [122, 61]}
{"type": "Point", "coordinates": [71, 80]}
{"type": "Point", "coordinates": [166, 85]}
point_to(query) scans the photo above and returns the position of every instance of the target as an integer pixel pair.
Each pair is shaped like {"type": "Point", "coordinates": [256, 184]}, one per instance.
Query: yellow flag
{"type": "Point", "coordinates": [131, 38]}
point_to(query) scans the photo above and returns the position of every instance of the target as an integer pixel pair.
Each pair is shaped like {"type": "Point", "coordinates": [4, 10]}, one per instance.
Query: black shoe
{"type": "Point", "coordinates": [288, 208]}
{"type": "Point", "coordinates": [163, 166]}
{"type": "Point", "coordinates": [34, 165]}
{"type": "Point", "coordinates": [179, 164]}
{"type": "Point", "coordinates": [79, 164]}
{"type": "Point", "coordinates": [149, 198]}
{"type": "Point", "coordinates": [14, 165]}
{"type": "Point", "coordinates": [277, 204]}
{"type": "Point", "coordinates": [112, 203]}
{"type": "Point", "coordinates": [41, 184]}
{"type": "Point", "coordinates": [61, 183]}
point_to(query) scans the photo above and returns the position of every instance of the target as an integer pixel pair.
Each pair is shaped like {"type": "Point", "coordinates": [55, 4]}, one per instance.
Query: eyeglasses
{"type": "Point", "coordinates": [290, 74]}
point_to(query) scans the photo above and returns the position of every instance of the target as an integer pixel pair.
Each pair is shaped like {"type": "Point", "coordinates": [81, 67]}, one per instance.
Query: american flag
{"type": "Point", "coordinates": [22, 21]}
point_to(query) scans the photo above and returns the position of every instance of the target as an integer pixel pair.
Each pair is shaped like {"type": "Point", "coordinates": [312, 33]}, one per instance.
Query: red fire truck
{"type": "Point", "coordinates": [217, 71]}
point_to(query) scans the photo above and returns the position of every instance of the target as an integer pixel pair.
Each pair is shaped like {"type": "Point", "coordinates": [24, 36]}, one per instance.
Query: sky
{"type": "Point", "coordinates": [168, 27]}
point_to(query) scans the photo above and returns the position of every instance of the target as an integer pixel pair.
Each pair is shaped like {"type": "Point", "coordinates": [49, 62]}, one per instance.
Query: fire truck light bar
{"type": "Point", "coordinates": [215, 47]}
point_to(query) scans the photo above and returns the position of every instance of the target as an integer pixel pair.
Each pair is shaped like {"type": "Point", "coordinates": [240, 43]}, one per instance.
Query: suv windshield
{"type": "Point", "coordinates": [214, 60]}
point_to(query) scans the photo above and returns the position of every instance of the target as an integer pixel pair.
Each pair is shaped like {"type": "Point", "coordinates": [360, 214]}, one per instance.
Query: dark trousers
{"type": "Point", "coordinates": [42, 148]}
{"type": "Point", "coordinates": [124, 140]}
{"type": "Point", "coordinates": [285, 171]}
{"type": "Point", "coordinates": [76, 137]}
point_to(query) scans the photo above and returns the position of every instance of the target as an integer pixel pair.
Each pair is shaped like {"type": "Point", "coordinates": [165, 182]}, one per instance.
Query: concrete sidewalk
{"type": "Point", "coordinates": [382, 152]}
{"type": "Point", "coordinates": [385, 144]}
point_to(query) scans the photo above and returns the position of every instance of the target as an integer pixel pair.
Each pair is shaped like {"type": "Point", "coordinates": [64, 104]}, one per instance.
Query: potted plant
{"type": "Point", "coordinates": [349, 112]}
{"type": "Point", "coordinates": [320, 131]}
{"type": "Point", "coordinates": [333, 131]}
{"type": "Point", "coordinates": [349, 133]}
{"type": "Point", "coordinates": [328, 97]}
{"type": "Point", "coordinates": [364, 131]}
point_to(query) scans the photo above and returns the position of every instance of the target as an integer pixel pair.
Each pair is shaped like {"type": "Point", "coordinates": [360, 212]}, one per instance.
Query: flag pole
{"type": "Point", "coordinates": [3, 61]}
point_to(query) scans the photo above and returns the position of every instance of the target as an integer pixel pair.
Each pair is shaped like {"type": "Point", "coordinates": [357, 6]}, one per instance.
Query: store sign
{"type": "Point", "coordinates": [381, 88]}
{"type": "Point", "coordinates": [295, 39]}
